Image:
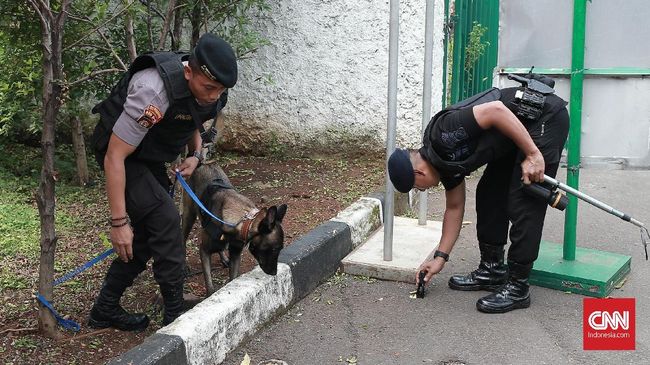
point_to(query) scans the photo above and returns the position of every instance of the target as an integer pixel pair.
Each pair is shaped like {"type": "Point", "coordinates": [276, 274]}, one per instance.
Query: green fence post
{"type": "Point", "coordinates": [445, 65]}
{"type": "Point", "coordinates": [573, 149]}
{"type": "Point", "coordinates": [580, 270]}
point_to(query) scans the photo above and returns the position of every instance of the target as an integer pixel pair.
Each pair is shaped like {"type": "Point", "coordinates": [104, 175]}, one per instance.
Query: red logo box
{"type": "Point", "coordinates": [608, 324]}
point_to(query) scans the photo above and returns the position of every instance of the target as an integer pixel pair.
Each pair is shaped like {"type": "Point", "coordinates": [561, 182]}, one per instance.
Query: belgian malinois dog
{"type": "Point", "coordinates": [259, 229]}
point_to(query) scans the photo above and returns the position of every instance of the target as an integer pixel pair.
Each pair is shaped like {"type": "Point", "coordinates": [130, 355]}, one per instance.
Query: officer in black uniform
{"type": "Point", "coordinates": [519, 133]}
{"type": "Point", "coordinates": [154, 111]}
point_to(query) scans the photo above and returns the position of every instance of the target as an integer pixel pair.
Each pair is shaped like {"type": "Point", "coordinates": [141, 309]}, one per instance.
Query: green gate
{"type": "Point", "coordinates": [474, 27]}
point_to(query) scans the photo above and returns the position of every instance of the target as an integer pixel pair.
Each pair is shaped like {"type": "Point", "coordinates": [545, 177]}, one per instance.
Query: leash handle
{"type": "Point", "coordinates": [189, 191]}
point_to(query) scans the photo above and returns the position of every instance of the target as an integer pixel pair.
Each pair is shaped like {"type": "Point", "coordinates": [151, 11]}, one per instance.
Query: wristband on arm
{"type": "Point", "coordinates": [439, 253]}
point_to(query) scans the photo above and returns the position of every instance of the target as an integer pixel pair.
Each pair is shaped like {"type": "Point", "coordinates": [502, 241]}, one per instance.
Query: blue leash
{"type": "Point", "coordinates": [189, 191]}
{"type": "Point", "coordinates": [67, 323]}
{"type": "Point", "coordinates": [74, 326]}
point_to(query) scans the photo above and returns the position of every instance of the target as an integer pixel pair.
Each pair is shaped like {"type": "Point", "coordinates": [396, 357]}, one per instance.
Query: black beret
{"type": "Point", "coordinates": [216, 59]}
{"type": "Point", "coordinates": [401, 171]}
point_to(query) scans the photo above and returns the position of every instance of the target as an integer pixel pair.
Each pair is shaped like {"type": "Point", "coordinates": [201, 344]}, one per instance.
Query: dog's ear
{"type": "Point", "coordinates": [267, 224]}
{"type": "Point", "coordinates": [282, 210]}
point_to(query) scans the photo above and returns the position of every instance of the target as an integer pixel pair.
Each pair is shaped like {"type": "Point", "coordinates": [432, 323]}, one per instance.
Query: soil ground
{"type": "Point", "coordinates": [315, 188]}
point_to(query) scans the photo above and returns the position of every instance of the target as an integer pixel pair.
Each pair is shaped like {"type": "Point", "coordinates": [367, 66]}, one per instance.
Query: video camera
{"type": "Point", "coordinates": [529, 101]}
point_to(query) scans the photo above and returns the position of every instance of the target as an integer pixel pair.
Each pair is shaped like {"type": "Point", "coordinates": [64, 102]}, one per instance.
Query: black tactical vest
{"type": "Point", "coordinates": [492, 144]}
{"type": "Point", "coordinates": [165, 140]}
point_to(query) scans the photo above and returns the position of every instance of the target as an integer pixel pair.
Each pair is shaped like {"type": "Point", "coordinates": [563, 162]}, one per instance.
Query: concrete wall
{"type": "Point", "coordinates": [322, 82]}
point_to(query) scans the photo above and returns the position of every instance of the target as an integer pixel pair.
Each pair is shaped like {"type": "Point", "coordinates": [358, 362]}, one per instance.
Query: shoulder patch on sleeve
{"type": "Point", "coordinates": [150, 117]}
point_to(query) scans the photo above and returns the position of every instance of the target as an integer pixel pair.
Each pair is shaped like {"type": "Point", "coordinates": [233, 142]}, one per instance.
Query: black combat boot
{"type": "Point", "coordinates": [491, 273]}
{"type": "Point", "coordinates": [513, 294]}
{"type": "Point", "coordinates": [107, 312]}
{"type": "Point", "coordinates": [173, 302]}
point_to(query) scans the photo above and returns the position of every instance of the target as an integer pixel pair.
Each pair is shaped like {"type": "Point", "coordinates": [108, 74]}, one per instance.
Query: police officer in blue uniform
{"type": "Point", "coordinates": [155, 111]}
{"type": "Point", "coordinates": [519, 133]}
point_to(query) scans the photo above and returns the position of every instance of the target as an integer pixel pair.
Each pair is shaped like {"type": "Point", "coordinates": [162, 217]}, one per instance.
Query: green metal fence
{"type": "Point", "coordinates": [475, 26]}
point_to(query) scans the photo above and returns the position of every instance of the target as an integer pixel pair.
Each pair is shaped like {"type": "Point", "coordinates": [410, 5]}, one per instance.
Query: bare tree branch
{"type": "Point", "coordinates": [100, 26]}
{"type": "Point", "coordinates": [94, 74]}
{"type": "Point", "coordinates": [170, 13]}
{"type": "Point", "coordinates": [205, 17]}
{"type": "Point", "coordinates": [39, 7]}
{"type": "Point", "coordinates": [219, 10]}
{"type": "Point", "coordinates": [115, 55]}
{"type": "Point", "coordinates": [111, 49]}
{"type": "Point", "coordinates": [147, 3]}
{"type": "Point", "coordinates": [8, 330]}
{"type": "Point", "coordinates": [94, 46]}
{"type": "Point", "coordinates": [60, 18]}
{"type": "Point", "coordinates": [93, 333]}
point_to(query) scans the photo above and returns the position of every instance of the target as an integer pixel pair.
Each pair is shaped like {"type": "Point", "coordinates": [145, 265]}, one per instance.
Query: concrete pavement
{"type": "Point", "coordinates": [357, 320]}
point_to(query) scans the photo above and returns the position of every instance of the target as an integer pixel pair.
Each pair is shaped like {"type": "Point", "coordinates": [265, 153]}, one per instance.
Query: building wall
{"type": "Point", "coordinates": [615, 125]}
{"type": "Point", "coordinates": [322, 82]}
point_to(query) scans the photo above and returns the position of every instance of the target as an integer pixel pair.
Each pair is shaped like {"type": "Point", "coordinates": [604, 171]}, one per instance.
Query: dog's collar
{"type": "Point", "coordinates": [247, 222]}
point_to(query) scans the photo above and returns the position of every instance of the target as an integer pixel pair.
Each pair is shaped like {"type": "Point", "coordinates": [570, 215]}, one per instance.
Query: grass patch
{"type": "Point", "coordinates": [20, 227]}
{"type": "Point", "coordinates": [19, 222]}
{"type": "Point", "coordinates": [10, 280]}
{"type": "Point", "coordinates": [19, 219]}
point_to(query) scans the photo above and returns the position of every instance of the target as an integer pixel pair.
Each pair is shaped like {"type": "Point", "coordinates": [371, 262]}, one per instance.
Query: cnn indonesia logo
{"type": "Point", "coordinates": [608, 324]}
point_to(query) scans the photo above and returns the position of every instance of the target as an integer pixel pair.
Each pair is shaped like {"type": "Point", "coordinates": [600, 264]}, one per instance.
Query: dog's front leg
{"type": "Point", "coordinates": [235, 259]}
{"type": "Point", "coordinates": [206, 263]}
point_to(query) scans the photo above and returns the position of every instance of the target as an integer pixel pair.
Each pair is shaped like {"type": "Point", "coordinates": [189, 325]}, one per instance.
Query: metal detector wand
{"type": "Point", "coordinates": [603, 206]}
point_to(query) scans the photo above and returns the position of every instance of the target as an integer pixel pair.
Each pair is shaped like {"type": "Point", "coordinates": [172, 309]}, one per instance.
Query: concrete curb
{"type": "Point", "coordinates": [206, 333]}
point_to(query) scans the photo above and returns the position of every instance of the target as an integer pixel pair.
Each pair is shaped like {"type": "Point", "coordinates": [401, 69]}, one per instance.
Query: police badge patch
{"type": "Point", "coordinates": [150, 117]}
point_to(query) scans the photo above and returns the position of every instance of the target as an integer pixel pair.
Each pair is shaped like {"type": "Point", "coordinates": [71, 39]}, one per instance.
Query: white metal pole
{"type": "Point", "coordinates": [393, 43]}
{"type": "Point", "coordinates": [426, 93]}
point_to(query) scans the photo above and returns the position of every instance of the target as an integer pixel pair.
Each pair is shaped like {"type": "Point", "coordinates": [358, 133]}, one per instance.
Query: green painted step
{"type": "Point", "coordinates": [593, 273]}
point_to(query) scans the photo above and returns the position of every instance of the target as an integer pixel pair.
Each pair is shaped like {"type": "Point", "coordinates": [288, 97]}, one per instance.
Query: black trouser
{"type": "Point", "coordinates": [156, 227]}
{"type": "Point", "coordinates": [501, 198]}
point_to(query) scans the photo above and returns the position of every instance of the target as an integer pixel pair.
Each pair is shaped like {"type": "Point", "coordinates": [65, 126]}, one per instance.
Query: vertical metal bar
{"type": "Point", "coordinates": [393, 44]}
{"type": "Point", "coordinates": [492, 30]}
{"type": "Point", "coordinates": [426, 93]}
{"type": "Point", "coordinates": [445, 68]}
{"type": "Point", "coordinates": [462, 43]}
{"type": "Point", "coordinates": [573, 158]}
{"type": "Point", "coordinates": [467, 27]}
{"type": "Point", "coordinates": [459, 35]}
{"type": "Point", "coordinates": [494, 40]}
{"type": "Point", "coordinates": [476, 69]}
{"type": "Point", "coordinates": [484, 19]}
{"type": "Point", "coordinates": [487, 59]}
{"type": "Point", "coordinates": [469, 77]}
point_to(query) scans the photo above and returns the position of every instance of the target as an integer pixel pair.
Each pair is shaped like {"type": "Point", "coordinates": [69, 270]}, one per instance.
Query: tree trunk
{"type": "Point", "coordinates": [149, 26]}
{"type": "Point", "coordinates": [166, 22]}
{"type": "Point", "coordinates": [195, 21]}
{"type": "Point", "coordinates": [177, 32]}
{"type": "Point", "coordinates": [52, 34]}
{"type": "Point", "coordinates": [130, 39]}
{"type": "Point", "coordinates": [79, 151]}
